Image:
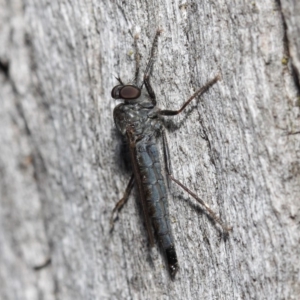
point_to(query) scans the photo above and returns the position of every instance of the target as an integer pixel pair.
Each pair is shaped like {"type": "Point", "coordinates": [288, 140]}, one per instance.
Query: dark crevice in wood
{"type": "Point", "coordinates": [285, 36]}
{"type": "Point", "coordinates": [37, 159]}
{"type": "Point", "coordinates": [4, 68]}
{"type": "Point", "coordinates": [296, 77]}
{"type": "Point", "coordinates": [42, 266]}
{"type": "Point", "coordinates": [294, 71]}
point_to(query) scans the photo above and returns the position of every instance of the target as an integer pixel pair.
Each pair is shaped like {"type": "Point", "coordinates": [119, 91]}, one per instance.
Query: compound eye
{"type": "Point", "coordinates": [115, 92]}
{"type": "Point", "coordinates": [130, 92]}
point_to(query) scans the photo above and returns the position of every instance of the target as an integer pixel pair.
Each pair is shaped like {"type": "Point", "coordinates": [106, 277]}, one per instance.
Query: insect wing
{"type": "Point", "coordinates": [137, 176]}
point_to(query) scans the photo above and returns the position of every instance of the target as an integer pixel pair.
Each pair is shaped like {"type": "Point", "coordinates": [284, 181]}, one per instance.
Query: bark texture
{"type": "Point", "coordinates": [238, 148]}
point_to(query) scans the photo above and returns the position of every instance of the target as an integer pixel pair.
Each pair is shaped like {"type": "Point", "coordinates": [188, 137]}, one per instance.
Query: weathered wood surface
{"type": "Point", "coordinates": [60, 165]}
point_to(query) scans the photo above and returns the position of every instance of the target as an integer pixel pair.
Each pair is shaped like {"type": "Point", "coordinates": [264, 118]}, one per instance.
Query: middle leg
{"type": "Point", "coordinates": [201, 91]}
{"type": "Point", "coordinates": [121, 202]}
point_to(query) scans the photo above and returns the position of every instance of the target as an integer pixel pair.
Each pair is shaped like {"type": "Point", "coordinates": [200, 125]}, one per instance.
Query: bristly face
{"type": "Point", "coordinates": [126, 92]}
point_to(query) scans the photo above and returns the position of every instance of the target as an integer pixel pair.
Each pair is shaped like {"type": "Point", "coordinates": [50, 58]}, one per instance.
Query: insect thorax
{"type": "Point", "coordinates": [142, 118]}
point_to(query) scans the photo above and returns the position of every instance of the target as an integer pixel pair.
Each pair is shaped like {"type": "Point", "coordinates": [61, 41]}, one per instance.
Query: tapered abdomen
{"type": "Point", "coordinates": [155, 197]}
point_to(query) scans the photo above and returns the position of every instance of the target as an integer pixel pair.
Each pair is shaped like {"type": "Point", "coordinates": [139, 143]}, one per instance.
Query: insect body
{"type": "Point", "coordinates": [140, 121]}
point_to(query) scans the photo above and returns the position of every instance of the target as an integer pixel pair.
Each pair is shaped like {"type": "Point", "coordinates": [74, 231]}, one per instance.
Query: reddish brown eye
{"type": "Point", "coordinates": [130, 92]}
{"type": "Point", "coordinates": [115, 93]}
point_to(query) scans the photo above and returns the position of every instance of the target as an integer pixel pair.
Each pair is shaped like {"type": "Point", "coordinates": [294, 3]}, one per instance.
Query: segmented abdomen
{"type": "Point", "coordinates": [156, 197]}
{"type": "Point", "coordinates": [154, 190]}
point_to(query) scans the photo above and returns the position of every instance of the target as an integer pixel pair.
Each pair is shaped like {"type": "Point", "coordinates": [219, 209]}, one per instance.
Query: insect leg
{"type": "Point", "coordinates": [149, 66]}
{"type": "Point", "coordinates": [121, 203]}
{"type": "Point", "coordinates": [153, 54]}
{"type": "Point", "coordinates": [167, 159]}
{"type": "Point", "coordinates": [137, 57]}
{"type": "Point", "coordinates": [197, 93]}
{"type": "Point", "coordinates": [150, 90]}
{"type": "Point", "coordinates": [211, 213]}
{"type": "Point", "coordinates": [119, 79]}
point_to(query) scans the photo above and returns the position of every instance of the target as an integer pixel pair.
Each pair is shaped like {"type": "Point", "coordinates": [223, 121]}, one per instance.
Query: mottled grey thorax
{"type": "Point", "coordinates": [140, 118]}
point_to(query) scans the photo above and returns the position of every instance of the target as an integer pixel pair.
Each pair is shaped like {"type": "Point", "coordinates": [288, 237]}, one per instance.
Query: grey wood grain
{"type": "Point", "coordinates": [237, 147]}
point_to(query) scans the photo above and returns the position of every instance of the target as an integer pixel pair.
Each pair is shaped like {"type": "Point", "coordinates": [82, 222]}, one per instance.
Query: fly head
{"type": "Point", "coordinates": [126, 92]}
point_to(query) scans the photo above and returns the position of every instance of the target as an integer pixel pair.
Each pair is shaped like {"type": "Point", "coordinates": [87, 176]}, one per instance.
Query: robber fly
{"type": "Point", "coordinates": [140, 122]}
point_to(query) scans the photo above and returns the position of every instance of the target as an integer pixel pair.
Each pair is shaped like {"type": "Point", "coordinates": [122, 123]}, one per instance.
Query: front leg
{"type": "Point", "coordinates": [153, 54]}
{"type": "Point", "coordinates": [149, 67]}
{"type": "Point", "coordinates": [150, 90]}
